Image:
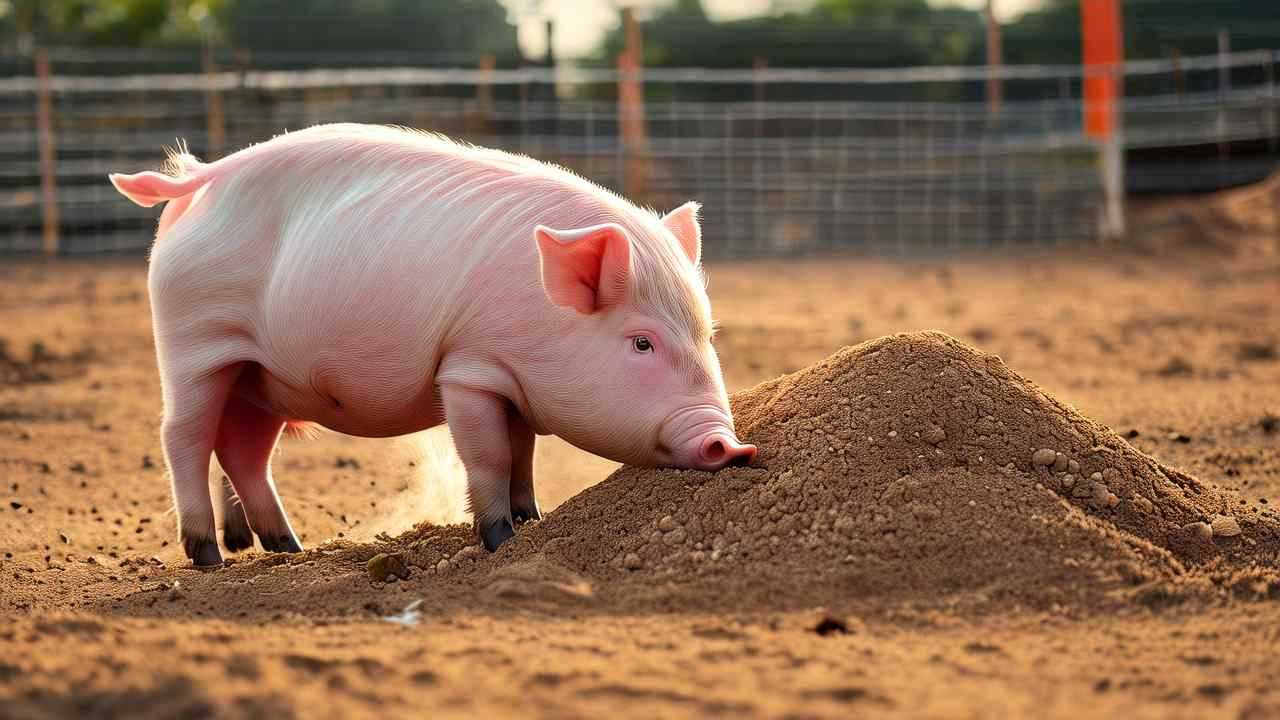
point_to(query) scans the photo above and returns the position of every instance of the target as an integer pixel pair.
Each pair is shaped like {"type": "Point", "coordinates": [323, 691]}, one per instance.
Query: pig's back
{"type": "Point", "coordinates": [349, 256]}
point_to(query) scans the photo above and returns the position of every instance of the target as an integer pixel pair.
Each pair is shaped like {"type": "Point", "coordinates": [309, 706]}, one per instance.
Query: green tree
{"type": "Point", "coordinates": [114, 23]}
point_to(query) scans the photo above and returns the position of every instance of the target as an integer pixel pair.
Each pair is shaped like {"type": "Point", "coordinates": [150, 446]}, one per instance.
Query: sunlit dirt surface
{"type": "Point", "coordinates": [99, 615]}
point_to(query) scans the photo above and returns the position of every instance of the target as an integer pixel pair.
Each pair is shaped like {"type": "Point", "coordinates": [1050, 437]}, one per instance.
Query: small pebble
{"type": "Point", "coordinates": [1044, 456]}
{"type": "Point", "coordinates": [675, 537]}
{"type": "Point", "coordinates": [1060, 463]}
{"type": "Point", "coordinates": [935, 435]}
{"type": "Point", "coordinates": [1225, 526]}
{"type": "Point", "coordinates": [384, 567]}
{"type": "Point", "coordinates": [1073, 467]}
{"type": "Point", "coordinates": [667, 523]}
{"type": "Point", "coordinates": [632, 562]}
{"type": "Point", "coordinates": [1201, 530]}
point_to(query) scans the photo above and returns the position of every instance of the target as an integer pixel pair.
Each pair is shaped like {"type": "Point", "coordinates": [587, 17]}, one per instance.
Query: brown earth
{"type": "Point", "coordinates": [927, 532]}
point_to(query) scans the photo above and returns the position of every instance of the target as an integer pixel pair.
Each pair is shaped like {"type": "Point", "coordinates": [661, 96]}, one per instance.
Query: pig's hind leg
{"type": "Point", "coordinates": [478, 421]}
{"type": "Point", "coordinates": [524, 506]}
{"type": "Point", "coordinates": [193, 404]}
{"type": "Point", "coordinates": [236, 534]}
{"type": "Point", "coordinates": [247, 437]}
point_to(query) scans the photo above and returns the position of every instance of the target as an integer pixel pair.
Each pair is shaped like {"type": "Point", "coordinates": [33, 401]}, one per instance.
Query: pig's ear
{"type": "Point", "coordinates": [585, 269]}
{"type": "Point", "coordinates": [683, 223]}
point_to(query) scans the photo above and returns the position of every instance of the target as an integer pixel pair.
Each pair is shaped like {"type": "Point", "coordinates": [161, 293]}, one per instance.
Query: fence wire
{"type": "Point", "coordinates": [803, 165]}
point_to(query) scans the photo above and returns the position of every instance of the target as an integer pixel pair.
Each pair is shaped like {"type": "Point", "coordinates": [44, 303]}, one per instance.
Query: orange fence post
{"type": "Point", "coordinates": [48, 152]}
{"type": "Point", "coordinates": [1103, 92]}
{"type": "Point", "coordinates": [631, 106]}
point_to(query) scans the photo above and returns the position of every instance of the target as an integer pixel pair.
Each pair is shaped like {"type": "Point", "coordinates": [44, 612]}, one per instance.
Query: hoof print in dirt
{"type": "Point", "coordinates": [493, 534]}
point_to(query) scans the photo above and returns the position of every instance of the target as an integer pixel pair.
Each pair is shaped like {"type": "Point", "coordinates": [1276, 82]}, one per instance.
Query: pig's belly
{"type": "Point", "coordinates": [339, 402]}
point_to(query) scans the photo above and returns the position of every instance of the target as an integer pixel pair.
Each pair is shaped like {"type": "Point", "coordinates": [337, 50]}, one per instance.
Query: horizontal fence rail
{"type": "Point", "coordinates": [785, 161]}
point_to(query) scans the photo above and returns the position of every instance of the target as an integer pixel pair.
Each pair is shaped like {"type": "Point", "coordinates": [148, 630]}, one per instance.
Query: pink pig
{"type": "Point", "coordinates": [380, 281]}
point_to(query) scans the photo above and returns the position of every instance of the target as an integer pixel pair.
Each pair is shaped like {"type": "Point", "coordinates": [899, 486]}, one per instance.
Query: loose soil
{"type": "Point", "coordinates": [1054, 496]}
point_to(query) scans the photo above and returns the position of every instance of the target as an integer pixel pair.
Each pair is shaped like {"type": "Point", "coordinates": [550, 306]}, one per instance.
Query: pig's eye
{"type": "Point", "coordinates": [641, 344]}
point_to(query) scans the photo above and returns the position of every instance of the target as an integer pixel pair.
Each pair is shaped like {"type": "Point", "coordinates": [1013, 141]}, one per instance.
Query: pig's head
{"type": "Point", "coordinates": [637, 379]}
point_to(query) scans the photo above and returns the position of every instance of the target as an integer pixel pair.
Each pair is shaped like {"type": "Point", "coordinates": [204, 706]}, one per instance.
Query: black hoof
{"type": "Point", "coordinates": [525, 514]}
{"type": "Point", "coordinates": [495, 533]}
{"type": "Point", "coordinates": [203, 553]}
{"type": "Point", "coordinates": [237, 537]}
{"type": "Point", "coordinates": [280, 543]}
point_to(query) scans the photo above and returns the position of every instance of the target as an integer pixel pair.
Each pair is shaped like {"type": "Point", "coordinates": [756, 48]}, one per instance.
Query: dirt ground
{"type": "Point", "coordinates": [100, 616]}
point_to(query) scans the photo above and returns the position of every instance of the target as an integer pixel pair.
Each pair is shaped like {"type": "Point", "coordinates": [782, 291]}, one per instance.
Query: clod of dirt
{"type": "Point", "coordinates": [1225, 526]}
{"type": "Point", "coordinates": [1200, 530]}
{"type": "Point", "coordinates": [1175, 367]}
{"type": "Point", "coordinates": [1261, 351]}
{"type": "Point", "coordinates": [829, 625]}
{"type": "Point", "coordinates": [385, 567]}
{"type": "Point", "coordinates": [1270, 423]}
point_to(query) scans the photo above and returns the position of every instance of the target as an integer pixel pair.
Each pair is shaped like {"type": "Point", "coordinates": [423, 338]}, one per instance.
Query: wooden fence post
{"type": "Point", "coordinates": [216, 127]}
{"type": "Point", "coordinates": [631, 107]}
{"type": "Point", "coordinates": [484, 92]}
{"type": "Point", "coordinates": [995, 59]}
{"type": "Point", "coordinates": [48, 152]}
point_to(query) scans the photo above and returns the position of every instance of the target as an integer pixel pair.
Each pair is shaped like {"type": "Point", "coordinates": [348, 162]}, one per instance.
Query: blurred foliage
{"type": "Point", "coordinates": [114, 23]}
{"type": "Point", "coordinates": [463, 29]}
{"type": "Point", "coordinates": [459, 30]}
{"type": "Point", "coordinates": [864, 33]}
{"type": "Point", "coordinates": [887, 33]}
{"type": "Point", "coordinates": [1152, 29]}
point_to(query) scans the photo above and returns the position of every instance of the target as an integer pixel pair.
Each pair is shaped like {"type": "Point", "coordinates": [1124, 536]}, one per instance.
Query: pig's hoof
{"type": "Point", "coordinates": [525, 514]}
{"type": "Point", "coordinates": [280, 543]}
{"type": "Point", "coordinates": [495, 533]}
{"type": "Point", "coordinates": [204, 553]}
{"type": "Point", "coordinates": [237, 537]}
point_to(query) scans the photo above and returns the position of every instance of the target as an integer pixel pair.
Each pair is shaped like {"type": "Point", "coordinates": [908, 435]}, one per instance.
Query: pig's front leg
{"type": "Point", "coordinates": [524, 506]}
{"type": "Point", "coordinates": [478, 421]}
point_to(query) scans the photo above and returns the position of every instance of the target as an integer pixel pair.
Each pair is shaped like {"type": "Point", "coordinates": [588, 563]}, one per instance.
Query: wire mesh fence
{"type": "Point", "coordinates": [784, 161]}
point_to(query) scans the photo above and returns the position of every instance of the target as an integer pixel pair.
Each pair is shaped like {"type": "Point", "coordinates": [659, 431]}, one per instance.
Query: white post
{"type": "Point", "coordinates": [1112, 157]}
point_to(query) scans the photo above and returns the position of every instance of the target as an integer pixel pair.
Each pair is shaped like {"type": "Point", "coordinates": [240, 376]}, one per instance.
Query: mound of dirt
{"type": "Point", "coordinates": [911, 466]}
{"type": "Point", "coordinates": [1242, 221]}
{"type": "Point", "coordinates": [911, 470]}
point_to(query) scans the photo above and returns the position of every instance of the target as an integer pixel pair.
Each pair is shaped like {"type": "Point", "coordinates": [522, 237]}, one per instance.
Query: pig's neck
{"type": "Point", "coordinates": [505, 335]}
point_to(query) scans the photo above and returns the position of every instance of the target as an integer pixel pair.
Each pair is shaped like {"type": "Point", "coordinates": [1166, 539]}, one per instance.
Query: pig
{"type": "Point", "coordinates": [379, 281]}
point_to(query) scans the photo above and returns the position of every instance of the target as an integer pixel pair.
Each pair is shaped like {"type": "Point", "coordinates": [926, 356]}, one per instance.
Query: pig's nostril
{"type": "Point", "coordinates": [714, 451]}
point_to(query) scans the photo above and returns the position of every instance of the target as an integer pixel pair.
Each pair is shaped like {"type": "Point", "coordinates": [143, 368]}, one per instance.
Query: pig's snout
{"type": "Point", "coordinates": [701, 437]}
{"type": "Point", "coordinates": [719, 450]}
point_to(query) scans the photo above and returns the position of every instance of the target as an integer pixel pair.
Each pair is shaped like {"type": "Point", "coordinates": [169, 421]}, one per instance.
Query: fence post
{"type": "Point", "coordinates": [995, 54]}
{"type": "Point", "coordinates": [759, 65]}
{"type": "Point", "coordinates": [1103, 109]}
{"type": "Point", "coordinates": [48, 152]}
{"type": "Point", "coordinates": [631, 106]}
{"type": "Point", "coordinates": [484, 91]}
{"type": "Point", "coordinates": [215, 118]}
{"type": "Point", "coordinates": [1224, 89]}
{"type": "Point", "coordinates": [1269, 70]}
